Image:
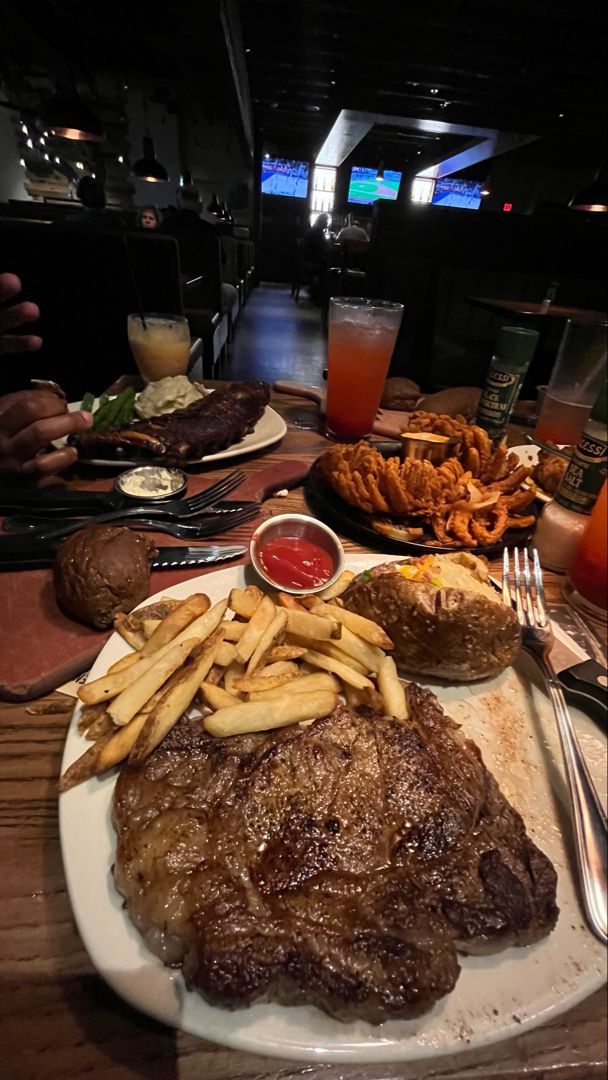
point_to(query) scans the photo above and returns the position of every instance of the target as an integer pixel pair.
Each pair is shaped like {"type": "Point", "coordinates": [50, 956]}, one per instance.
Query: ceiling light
{"type": "Point", "coordinates": [148, 168]}
{"type": "Point", "coordinates": [560, 116]}
{"type": "Point", "coordinates": [434, 90]}
{"type": "Point", "coordinates": [22, 162]}
{"type": "Point", "coordinates": [247, 50]}
{"type": "Point", "coordinates": [93, 175]}
{"type": "Point", "coordinates": [444, 104]}
{"type": "Point", "coordinates": [46, 134]}
{"type": "Point", "coordinates": [267, 156]}
{"type": "Point", "coordinates": [593, 196]}
{"type": "Point", "coordinates": [120, 159]}
{"type": "Point", "coordinates": [41, 141]}
{"type": "Point", "coordinates": [69, 117]}
{"type": "Point", "coordinates": [485, 190]}
{"type": "Point", "coordinates": [380, 171]}
{"type": "Point", "coordinates": [46, 157]}
{"type": "Point", "coordinates": [57, 161]}
{"type": "Point", "coordinates": [29, 143]}
{"type": "Point", "coordinates": [24, 129]}
{"type": "Point", "coordinates": [79, 165]}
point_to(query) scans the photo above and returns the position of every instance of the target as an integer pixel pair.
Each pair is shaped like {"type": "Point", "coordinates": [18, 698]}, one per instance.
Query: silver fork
{"type": "Point", "coordinates": [590, 824]}
{"type": "Point", "coordinates": [173, 509]}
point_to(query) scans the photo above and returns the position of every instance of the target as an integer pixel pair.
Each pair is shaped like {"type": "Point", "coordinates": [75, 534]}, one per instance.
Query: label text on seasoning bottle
{"type": "Point", "coordinates": [584, 476]}
{"type": "Point", "coordinates": [502, 388]}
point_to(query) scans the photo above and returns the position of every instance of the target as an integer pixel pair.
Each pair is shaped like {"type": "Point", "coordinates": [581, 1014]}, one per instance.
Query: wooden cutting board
{"type": "Point", "coordinates": [43, 648]}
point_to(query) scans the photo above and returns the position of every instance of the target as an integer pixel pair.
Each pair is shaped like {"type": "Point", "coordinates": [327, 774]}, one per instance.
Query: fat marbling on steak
{"type": "Point", "coordinates": [216, 421]}
{"type": "Point", "coordinates": [342, 864]}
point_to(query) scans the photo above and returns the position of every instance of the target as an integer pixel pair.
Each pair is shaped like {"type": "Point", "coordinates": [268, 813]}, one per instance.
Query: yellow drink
{"type": "Point", "coordinates": [162, 347]}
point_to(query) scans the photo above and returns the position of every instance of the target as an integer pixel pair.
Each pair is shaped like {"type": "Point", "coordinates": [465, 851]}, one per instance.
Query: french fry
{"type": "Point", "coordinates": [286, 652]}
{"type": "Point", "coordinates": [329, 648]}
{"type": "Point", "coordinates": [264, 645]}
{"type": "Point", "coordinates": [305, 684]}
{"type": "Point", "coordinates": [176, 621]}
{"type": "Point", "coordinates": [149, 626]}
{"type": "Point", "coordinates": [234, 672]}
{"type": "Point", "coordinates": [245, 602]}
{"type": "Point", "coordinates": [103, 725]}
{"type": "Point", "coordinates": [265, 715]}
{"type": "Point", "coordinates": [337, 667]}
{"type": "Point", "coordinates": [88, 715]}
{"type": "Point", "coordinates": [393, 693]}
{"type": "Point", "coordinates": [233, 630]}
{"type": "Point", "coordinates": [216, 697]}
{"type": "Point", "coordinates": [370, 656]}
{"type": "Point", "coordinates": [280, 667]}
{"type": "Point", "coordinates": [286, 600]}
{"type": "Point", "coordinates": [226, 653]}
{"type": "Point", "coordinates": [259, 622]}
{"type": "Point", "coordinates": [122, 627]}
{"type": "Point", "coordinates": [365, 628]}
{"type": "Point", "coordinates": [124, 707]}
{"type": "Point", "coordinates": [204, 626]}
{"type": "Point", "coordinates": [176, 700]}
{"type": "Point", "coordinates": [124, 662]}
{"type": "Point", "coordinates": [312, 627]}
{"type": "Point", "coordinates": [216, 675]}
{"type": "Point", "coordinates": [248, 684]}
{"type": "Point", "coordinates": [339, 586]}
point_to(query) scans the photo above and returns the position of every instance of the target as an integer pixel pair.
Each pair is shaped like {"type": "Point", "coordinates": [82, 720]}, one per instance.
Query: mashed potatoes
{"type": "Point", "coordinates": [167, 395]}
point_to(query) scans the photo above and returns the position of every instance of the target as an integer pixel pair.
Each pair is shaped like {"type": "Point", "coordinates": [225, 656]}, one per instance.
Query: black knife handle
{"type": "Point", "coordinates": [586, 685]}
{"type": "Point", "coordinates": [44, 499]}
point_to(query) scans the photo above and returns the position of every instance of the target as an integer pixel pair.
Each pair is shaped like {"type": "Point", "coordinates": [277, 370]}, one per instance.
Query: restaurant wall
{"type": "Point", "coordinates": [219, 164]}
{"type": "Point", "coordinates": [12, 174]}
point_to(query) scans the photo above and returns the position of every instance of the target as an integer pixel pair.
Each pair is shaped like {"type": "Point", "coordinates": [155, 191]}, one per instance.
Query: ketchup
{"type": "Point", "coordinates": [296, 563]}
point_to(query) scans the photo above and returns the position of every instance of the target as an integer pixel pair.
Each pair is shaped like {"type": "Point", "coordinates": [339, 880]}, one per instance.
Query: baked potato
{"type": "Point", "coordinates": [444, 617]}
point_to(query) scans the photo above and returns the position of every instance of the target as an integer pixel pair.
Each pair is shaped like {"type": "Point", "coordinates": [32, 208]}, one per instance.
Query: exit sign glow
{"type": "Point", "coordinates": [507, 206]}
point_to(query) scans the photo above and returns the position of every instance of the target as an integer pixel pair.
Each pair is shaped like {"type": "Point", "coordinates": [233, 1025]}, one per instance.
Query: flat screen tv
{"type": "Point", "coordinates": [281, 177]}
{"type": "Point", "coordinates": [365, 188]}
{"type": "Point", "coordinates": [465, 194]}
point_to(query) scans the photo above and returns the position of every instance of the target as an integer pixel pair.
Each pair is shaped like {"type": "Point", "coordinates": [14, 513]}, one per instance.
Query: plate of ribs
{"type": "Point", "coordinates": [354, 889]}
{"type": "Point", "coordinates": [228, 422]}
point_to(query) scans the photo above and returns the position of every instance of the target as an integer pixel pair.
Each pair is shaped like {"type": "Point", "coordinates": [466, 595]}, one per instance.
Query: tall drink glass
{"type": "Point", "coordinates": [362, 335]}
{"type": "Point", "coordinates": [161, 347]}
{"type": "Point", "coordinates": [587, 583]}
{"type": "Point", "coordinates": [575, 382]}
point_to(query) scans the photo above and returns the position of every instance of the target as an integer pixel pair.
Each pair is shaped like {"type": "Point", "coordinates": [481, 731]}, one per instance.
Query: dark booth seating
{"type": "Point", "coordinates": [432, 259]}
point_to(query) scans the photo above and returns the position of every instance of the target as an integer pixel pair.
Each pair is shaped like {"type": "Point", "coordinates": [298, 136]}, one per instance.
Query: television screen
{"type": "Point", "coordinates": [280, 177]}
{"type": "Point", "coordinates": [364, 188]}
{"type": "Point", "coordinates": [465, 194]}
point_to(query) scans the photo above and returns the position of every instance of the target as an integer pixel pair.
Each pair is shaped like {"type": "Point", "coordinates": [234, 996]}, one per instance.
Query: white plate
{"type": "Point", "coordinates": [528, 455]}
{"type": "Point", "coordinates": [269, 429]}
{"type": "Point", "coordinates": [495, 997]}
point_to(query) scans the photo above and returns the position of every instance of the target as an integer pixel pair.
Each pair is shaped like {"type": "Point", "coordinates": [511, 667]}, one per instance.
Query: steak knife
{"type": "Point", "coordinates": [164, 558]}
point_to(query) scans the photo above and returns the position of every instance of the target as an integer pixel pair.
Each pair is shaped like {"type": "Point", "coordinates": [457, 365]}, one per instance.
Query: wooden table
{"type": "Point", "coordinates": [60, 1021]}
{"type": "Point", "coordinates": [528, 309]}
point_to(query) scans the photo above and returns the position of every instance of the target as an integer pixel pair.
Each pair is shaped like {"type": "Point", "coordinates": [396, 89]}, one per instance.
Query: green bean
{"type": "Point", "coordinates": [103, 400]}
{"type": "Point", "coordinates": [88, 402]}
{"type": "Point", "coordinates": [127, 409]}
{"type": "Point", "coordinates": [106, 416]}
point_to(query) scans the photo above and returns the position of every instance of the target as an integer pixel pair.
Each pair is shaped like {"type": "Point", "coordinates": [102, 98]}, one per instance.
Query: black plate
{"type": "Point", "coordinates": [330, 508]}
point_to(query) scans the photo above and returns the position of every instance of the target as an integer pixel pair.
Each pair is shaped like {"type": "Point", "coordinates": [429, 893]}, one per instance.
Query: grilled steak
{"type": "Point", "coordinates": [211, 424]}
{"type": "Point", "coordinates": [341, 864]}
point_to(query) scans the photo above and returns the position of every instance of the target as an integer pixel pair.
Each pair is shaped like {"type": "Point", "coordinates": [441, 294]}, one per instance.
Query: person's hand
{"type": "Point", "coordinates": [29, 421]}
{"type": "Point", "coordinates": [11, 318]}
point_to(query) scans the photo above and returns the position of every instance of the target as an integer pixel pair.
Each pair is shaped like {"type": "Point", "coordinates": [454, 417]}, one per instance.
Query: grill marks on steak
{"type": "Point", "coordinates": [204, 427]}
{"type": "Point", "coordinates": [341, 864]}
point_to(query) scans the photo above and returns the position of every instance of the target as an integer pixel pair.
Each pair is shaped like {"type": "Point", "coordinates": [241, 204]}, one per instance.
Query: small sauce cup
{"type": "Point", "coordinates": [297, 527]}
{"type": "Point", "coordinates": [426, 446]}
{"type": "Point", "coordinates": [151, 483]}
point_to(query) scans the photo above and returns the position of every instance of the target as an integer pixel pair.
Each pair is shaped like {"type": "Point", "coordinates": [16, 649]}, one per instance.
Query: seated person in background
{"type": "Point", "coordinates": [94, 215]}
{"type": "Point", "coordinates": [313, 253]}
{"type": "Point", "coordinates": [31, 419]}
{"type": "Point", "coordinates": [148, 218]}
{"type": "Point", "coordinates": [353, 232]}
{"type": "Point", "coordinates": [186, 225]}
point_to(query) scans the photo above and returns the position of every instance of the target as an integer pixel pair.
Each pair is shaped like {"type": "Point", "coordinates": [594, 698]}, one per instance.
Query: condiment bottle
{"type": "Point", "coordinates": [564, 520]}
{"type": "Point", "coordinates": [508, 366]}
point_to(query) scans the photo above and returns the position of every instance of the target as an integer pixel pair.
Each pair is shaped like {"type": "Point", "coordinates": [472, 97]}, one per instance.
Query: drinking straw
{"type": "Point", "coordinates": [134, 283]}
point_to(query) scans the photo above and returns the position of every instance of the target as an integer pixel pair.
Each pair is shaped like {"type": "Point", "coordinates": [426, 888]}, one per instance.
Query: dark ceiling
{"type": "Point", "coordinates": [530, 66]}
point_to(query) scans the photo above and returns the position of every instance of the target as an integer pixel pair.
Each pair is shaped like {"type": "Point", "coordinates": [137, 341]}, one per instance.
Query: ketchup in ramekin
{"type": "Point", "coordinates": [296, 553]}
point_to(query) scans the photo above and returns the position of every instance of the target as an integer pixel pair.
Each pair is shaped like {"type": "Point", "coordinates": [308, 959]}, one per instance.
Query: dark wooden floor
{"type": "Point", "coordinates": [278, 339]}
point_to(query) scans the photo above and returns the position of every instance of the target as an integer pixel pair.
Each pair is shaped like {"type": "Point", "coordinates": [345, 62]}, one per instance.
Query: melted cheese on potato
{"type": "Point", "coordinates": [455, 570]}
